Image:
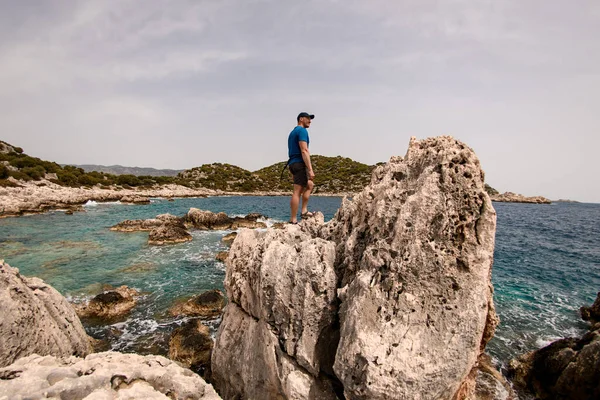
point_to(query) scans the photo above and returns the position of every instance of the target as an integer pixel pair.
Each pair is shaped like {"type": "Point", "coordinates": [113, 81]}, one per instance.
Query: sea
{"type": "Point", "coordinates": [546, 265]}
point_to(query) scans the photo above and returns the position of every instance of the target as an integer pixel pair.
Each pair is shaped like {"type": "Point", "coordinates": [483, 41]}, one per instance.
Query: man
{"type": "Point", "coordinates": [300, 166]}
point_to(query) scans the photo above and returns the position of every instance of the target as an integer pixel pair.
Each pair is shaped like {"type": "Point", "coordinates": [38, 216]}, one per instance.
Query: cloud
{"type": "Point", "coordinates": [180, 83]}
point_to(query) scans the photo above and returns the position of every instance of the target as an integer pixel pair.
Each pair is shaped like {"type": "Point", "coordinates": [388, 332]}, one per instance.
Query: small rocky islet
{"type": "Point", "coordinates": [392, 298]}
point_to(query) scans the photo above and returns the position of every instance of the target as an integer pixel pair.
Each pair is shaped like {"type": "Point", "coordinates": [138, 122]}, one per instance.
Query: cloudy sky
{"type": "Point", "coordinates": [175, 84]}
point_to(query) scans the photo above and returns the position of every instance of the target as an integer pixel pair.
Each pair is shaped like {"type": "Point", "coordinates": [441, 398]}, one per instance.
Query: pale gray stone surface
{"type": "Point", "coordinates": [35, 318]}
{"type": "Point", "coordinates": [107, 375]}
{"type": "Point", "coordinates": [390, 299]}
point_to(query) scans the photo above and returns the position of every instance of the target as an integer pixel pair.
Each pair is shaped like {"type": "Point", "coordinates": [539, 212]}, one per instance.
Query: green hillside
{"type": "Point", "coordinates": [333, 175]}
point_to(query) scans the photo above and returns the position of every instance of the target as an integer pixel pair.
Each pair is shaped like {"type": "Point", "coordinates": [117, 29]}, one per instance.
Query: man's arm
{"type": "Point", "coordinates": [306, 158]}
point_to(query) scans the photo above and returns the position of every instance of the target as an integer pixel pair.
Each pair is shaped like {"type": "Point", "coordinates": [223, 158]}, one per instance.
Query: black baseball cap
{"type": "Point", "coordinates": [305, 114]}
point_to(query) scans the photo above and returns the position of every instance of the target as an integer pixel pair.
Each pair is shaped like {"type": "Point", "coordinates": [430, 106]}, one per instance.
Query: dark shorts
{"type": "Point", "coordinates": [298, 169]}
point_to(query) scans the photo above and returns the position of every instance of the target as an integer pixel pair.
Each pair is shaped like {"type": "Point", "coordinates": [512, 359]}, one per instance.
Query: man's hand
{"type": "Point", "coordinates": [311, 175]}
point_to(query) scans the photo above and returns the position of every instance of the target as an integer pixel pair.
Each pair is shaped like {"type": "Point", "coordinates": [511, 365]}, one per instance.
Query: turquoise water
{"type": "Point", "coordinates": [547, 264]}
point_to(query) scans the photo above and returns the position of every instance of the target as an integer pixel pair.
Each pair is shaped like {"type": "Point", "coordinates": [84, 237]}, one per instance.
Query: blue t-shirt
{"type": "Point", "coordinates": [298, 134]}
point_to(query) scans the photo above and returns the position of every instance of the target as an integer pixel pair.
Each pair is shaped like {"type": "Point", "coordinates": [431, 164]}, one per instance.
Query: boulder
{"type": "Point", "coordinates": [107, 375]}
{"type": "Point", "coordinates": [222, 256]}
{"type": "Point", "coordinates": [390, 299]}
{"type": "Point", "coordinates": [109, 305]}
{"type": "Point", "coordinates": [169, 234]}
{"type": "Point", "coordinates": [191, 345]}
{"type": "Point", "coordinates": [207, 220]}
{"type": "Point", "coordinates": [592, 313]}
{"type": "Point", "coordinates": [137, 225]}
{"type": "Point", "coordinates": [35, 318]}
{"type": "Point", "coordinates": [201, 219]}
{"type": "Point", "coordinates": [206, 305]}
{"type": "Point", "coordinates": [566, 369]}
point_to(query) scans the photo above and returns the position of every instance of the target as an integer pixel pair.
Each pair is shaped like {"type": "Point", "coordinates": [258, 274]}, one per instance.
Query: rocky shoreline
{"type": "Point", "coordinates": [43, 196]}
{"type": "Point", "coordinates": [510, 197]}
{"type": "Point", "coordinates": [38, 197]}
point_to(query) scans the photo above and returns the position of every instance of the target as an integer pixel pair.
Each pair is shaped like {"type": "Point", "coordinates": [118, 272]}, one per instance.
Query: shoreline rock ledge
{"type": "Point", "coordinates": [391, 299]}
{"type": "Point", "coordinates": [36, 319]}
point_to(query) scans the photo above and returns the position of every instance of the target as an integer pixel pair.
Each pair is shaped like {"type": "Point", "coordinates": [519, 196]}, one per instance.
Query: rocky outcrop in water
{"type": "Point", "coordinates": [592, 313]}
{"type": "Point", "coordinates": [109, 305]}
{"type": "Point", "coordinates": [222, 256]}
{"type": "Point", "coordinates": [35, 318]}
{"type": "Point", "coordinates": [102, 376]}
{"type": "Point", "coordinates": [169, 234]}
{"type": "Point", "coordinates": [229, 238]}
{"type": "Point", "coordinates": [191, 346]}
{"type": "Point", "coordinates": [206, 305]}
{"type": "Point", "coordinates": [566, 369]}
{"type": "Point", "coordinates": [133, 199]}
{"type": "Point", "coordinates": [145, 225]}
{"type": "Point", "coordinates": [510, 197]}
{"type": "Point", "coordinates": [207, 220]}
{"type": "Point", "coordinates": [390, 299]}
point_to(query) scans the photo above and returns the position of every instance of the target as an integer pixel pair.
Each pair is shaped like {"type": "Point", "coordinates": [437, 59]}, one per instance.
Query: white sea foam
{"type": "Point", "coordinates": [91, 203]}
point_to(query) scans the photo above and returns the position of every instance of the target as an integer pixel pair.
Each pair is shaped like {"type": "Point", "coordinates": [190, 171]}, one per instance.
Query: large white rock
{"type": "Point", "coordinates": [282, 290]}
{"type": "Point", "coordinates": [415, 252]}
{"type": "Point", "coordinates": [35, 318]}
{"type": "Point", "coordinates": [101, 376]}
{"type": "Point", "coordinates": [392, 299]}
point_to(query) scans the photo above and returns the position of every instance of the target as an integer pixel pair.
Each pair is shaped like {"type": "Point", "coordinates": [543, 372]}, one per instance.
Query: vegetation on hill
{"type": "Point", "coordinates": [333, 175]}
{"type": "Point", "coordinates": [18, 165]}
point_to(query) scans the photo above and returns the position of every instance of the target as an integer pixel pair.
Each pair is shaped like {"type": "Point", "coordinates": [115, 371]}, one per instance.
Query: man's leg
{"type": "Point", "coordinates": [295, 202]}
{"type": "Point", "coordinates": [306, 196]}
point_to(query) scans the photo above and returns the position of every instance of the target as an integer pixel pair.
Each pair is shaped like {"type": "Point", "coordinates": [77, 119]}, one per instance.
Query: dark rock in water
{"type": "Point", "coordinates": [107, 375]}
{"type": "Point", "coordinates": [109, 305]}
{"type": "Point", "coordinates": [201, 219]}
{"type": "Point", "coordinates": [207, 220]}
{"type": "Point", "coordinates": [35, 318]}
{"type": "Point", "coordinates": [592, 313]}
{"type": "Point", "coordinates": [222, 256]}
{"type": "Point", "coordinates": [191, 345]}
{"type": "Point", "coordinates": [229, 238]}
{"type": "Point", "coordinates": [566, 369]}
{"type": "Point", "coordinates": [169, 234]}
{"type": "Point", "coordinates": [391, 299]}
{"type": "Point", "coordinates": [206, 305]}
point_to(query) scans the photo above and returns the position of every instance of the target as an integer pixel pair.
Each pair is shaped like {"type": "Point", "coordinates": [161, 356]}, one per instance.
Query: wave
{"type": "Point", "coordinates": [93, 203]}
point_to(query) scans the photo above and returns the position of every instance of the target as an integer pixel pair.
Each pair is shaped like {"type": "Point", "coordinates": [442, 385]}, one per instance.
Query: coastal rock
{"type": "Point", "coordinates": [592, 313]}
{"type": "Point", "coordinates": [201, 219]}
{"type": "Point", "coordinates": [169, 234]}
{"type": "Point", "coordinates": [490, 384]}
{"type": "Point", "coordinates": [222, 256]}
{"type": "Point", "coordinates": [137, 225]}
{"type": "Point", "coordinates": [281, 285]}
{"type": "Point", "coordinates": [191, 346]}
{"type": "Point", "coordinates": [566, 369]}
{"type": "Point", "coordinates": [30, 198]}
{"type": "Point", "coordinates": [207, 220]}
{"type": "Point", "coordinates": [390, 299]}
{"type": "Point", "coordinates": [35, 318]}
{"type": "Point", "coordinates": [510, 197]}
{"type": "Point", "coordinates": [132, 199]}
{"type": "Point", "coordinates": [108, 305]}
{"type": "Point", "coordinates": [107, 375]}
{"type": "Point", "coordinates": [206, 305]}
{"type": "Point", "coordinates": [229, 238]}
{"type": "Point", "coordinates": [414, 257]}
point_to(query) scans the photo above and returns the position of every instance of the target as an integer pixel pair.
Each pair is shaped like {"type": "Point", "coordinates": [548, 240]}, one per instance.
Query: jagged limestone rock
{"type": "Point", "coordinates": [35, 318]}
{"type": "Point", "coordinates": [110, 304]}
{"type": "Point", "coordinates": [410, 257]}
{"type": "Point", "coordinates": [414, 256]}
{"type": "Point", "coordinates": [281, 286]}
{"type": "Point", "coordinates": [107, 375]}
